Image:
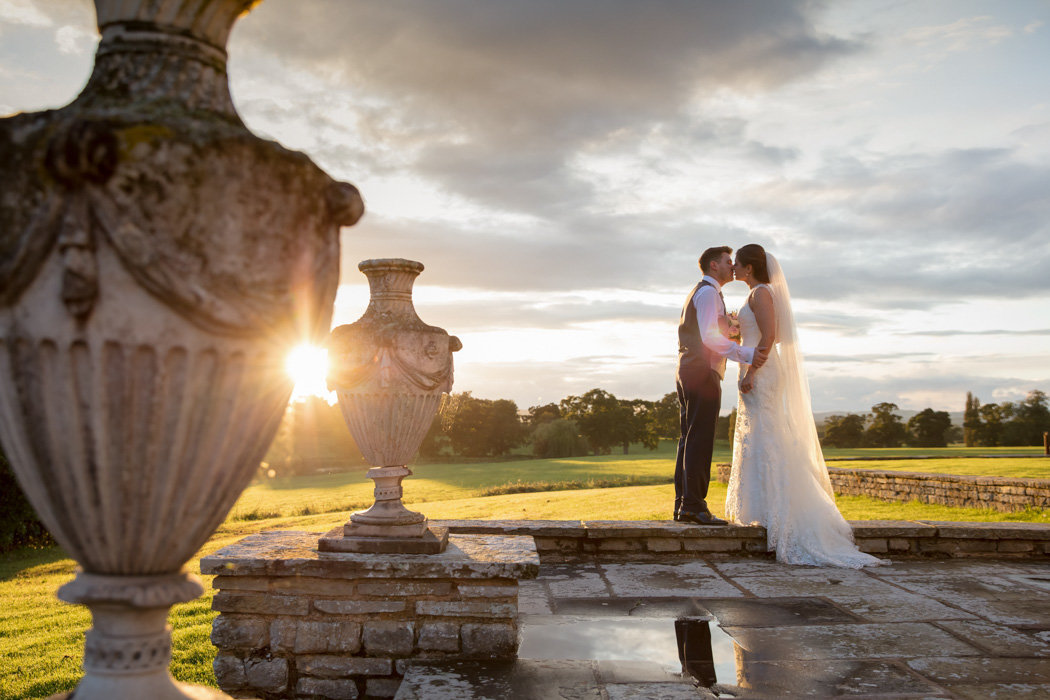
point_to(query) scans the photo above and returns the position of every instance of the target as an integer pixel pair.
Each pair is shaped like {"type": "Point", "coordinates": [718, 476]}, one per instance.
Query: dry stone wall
{"type": "Point", "coordinates": [998, 493]}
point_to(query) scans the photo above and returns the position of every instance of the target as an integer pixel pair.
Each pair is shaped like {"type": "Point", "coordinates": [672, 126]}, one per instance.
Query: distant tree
{"type": "Point", "coordinates": [19, 524]}
{"type": "Point", "coordinates": [1030, 419]}
{"type": "Point", "coordinates": [929, 428]}
{"type": "Point", "coordinates": [600, 417]}
{"type": "Point", "coordinates": [543, 414]}
{"type": "Point", "coordinates": [971, 420]}
{"type": "Point", "coordinates": [844, 431]}
{"type": "Point", "coordinates": [279, 454]}
{"type": "Point", "coordinates": [993, 416]}
{"type": "Point", "coordinates": [482, 427]}
{"type": "Point", "coordinates": [666, 416]}
{"type": "Point", "coordinates": [311, 433]}
{"type": "Point", "coordinates": [725, 427]}
{"type": "Point", "coordinates": [641, 425]}
{"type": "Point", "coordinates": [435, 441]}
{"type": "Point", "coordinates": [557, 438]}
{"type": "Point", "coordinates": [886, 428]}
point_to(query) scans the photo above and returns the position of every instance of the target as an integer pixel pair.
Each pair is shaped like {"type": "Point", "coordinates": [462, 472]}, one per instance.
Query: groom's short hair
{"type": "Point", "coordinates": [712, 254]}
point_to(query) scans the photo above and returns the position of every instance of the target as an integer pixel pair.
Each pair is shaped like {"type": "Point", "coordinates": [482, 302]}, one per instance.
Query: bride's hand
{"type": "Point", "coordinates": [760, 356]}
{"type": "Point", "coordinates": [747, 383]}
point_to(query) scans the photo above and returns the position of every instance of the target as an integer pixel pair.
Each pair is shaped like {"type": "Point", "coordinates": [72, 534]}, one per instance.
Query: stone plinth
{"type": "Point", "coordinates": [298, 623]}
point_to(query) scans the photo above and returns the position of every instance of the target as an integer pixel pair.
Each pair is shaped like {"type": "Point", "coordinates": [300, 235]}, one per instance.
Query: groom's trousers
{"type": "Point", "coordinates": [699, 399]}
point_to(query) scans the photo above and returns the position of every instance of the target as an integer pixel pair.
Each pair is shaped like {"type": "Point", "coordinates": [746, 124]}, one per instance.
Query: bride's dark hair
{"type": "Point", "coordinates": [754, 255]}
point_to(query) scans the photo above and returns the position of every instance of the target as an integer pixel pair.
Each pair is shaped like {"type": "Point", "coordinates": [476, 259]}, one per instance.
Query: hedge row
{"type": "Point", "coordinates": [19, 524]}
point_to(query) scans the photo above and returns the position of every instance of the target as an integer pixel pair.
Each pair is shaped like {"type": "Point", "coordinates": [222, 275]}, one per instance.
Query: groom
{"type": "Point", "coordinates": [703, 346]}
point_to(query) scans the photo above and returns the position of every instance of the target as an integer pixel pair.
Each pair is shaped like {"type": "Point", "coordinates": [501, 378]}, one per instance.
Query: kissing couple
{"type": "Point", "coordinates": [779, 479]}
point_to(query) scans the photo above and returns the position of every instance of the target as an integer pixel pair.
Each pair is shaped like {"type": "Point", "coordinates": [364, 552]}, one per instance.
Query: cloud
{"type": "Point", "coordinates": [918, 226]}
{"type": "Point", "coordinates": [840, 323]}
{"type": "Point", "coordinates": [75, 40]}
{"type": "Point", "coordinates": [868, 358]}
{"type": "Point", "coordinates": [952, 333]}
{"type": "Point", "coordinates": [514, 107]}
{"type": "Point", "coordinates": [487, 313]}
{"type": "Point", "coordinates": [964, 34]}
{"type": "Point", "coordinates": [535, 383]}
{"type": "Point", "coordinates": [508, 93]}
{"type": "Point", "coordinates": [26, 13]}
{"type": "Point", "coordinates": [915, 390]}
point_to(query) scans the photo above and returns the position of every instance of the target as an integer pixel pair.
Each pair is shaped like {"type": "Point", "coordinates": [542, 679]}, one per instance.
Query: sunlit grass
{"type": "Point", "coordinates": [970, 466]}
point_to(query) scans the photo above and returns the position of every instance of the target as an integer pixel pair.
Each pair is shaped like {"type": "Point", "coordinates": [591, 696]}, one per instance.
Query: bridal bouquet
{"type": "Point", "coordinates": [734, 327]}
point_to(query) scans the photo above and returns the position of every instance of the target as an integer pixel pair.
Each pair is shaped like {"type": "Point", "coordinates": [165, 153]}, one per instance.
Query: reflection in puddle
{"type": "Point", "coordinates": [693, 646]}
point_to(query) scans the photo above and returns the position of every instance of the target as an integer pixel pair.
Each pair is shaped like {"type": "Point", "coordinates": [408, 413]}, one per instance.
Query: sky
{"type": "Point", "coordinates": [559, 165]}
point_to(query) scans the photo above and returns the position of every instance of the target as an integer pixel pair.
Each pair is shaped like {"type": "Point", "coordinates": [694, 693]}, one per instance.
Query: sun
{"type": "Point", "coordinates": [307, 365]}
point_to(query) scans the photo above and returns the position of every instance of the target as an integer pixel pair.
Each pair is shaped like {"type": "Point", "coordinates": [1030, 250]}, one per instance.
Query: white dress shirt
{"type": "Point", "coordinates": [710, 312]}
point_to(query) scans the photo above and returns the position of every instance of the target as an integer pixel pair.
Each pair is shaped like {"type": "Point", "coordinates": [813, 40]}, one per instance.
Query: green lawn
{"type": "Point", "coordinates": [41, 639]}
{"type": "Point", "coordinates": [443, 482]}
{"type": "Point", "coordinates": [971, 466]}
{"type": "Point", "coordinates": [953, 451]}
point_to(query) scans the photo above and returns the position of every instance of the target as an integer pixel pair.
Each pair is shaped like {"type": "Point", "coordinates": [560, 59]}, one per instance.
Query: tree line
{"type": "Point", "coordinates": [884, 428]}
{"type": "Point", "coordinates": [596, 422]}
{"type": "Point", "coordinates": [988, 425]}
{"type": "Point", "coordinates": [1006, 423]}
{"type": "Point", "coordinates": [314, 435]}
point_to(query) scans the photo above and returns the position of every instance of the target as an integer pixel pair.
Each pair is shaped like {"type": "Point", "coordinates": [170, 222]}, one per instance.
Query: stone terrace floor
{"type": "Point", "coordinates": [749, 627]}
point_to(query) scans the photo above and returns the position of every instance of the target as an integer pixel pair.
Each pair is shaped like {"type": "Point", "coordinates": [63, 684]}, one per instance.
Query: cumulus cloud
{"type": "Point", "coordinates": [508, 93]}
{"type": "Point", "coordinates": [920, 226]}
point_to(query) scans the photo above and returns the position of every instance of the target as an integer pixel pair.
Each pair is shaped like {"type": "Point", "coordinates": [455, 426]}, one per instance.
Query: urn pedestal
{"type": "Point", "coordinates": [157, 262]}
{"type": "Point", "coordinates": [390, 371]}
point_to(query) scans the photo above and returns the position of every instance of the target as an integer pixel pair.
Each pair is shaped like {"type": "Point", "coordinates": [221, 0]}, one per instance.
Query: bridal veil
{"type": "Point", "coordinates": [802, 521]}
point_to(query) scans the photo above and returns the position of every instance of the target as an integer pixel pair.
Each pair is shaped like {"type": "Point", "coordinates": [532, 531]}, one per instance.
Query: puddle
{"type": "Point", "coordinates": [690, 646]}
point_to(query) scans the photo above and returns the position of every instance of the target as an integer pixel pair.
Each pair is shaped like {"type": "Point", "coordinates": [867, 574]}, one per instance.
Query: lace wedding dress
{"type": "Point", "coordinates": [779, 479]}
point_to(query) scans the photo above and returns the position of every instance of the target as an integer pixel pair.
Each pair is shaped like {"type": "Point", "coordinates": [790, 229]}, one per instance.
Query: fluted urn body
{"type": "Point", "coordinates": [157, 261]}
{"type": "Point", "coordinates": [389, 370]}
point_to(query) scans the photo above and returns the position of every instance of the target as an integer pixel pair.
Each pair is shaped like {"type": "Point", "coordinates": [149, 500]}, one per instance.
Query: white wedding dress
{"type": "Point", "coordinates": [779, 479]}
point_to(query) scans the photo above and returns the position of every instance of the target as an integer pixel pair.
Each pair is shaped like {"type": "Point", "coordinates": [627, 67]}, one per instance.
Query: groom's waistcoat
{"type": "Point", "coordinates": [691, 349]}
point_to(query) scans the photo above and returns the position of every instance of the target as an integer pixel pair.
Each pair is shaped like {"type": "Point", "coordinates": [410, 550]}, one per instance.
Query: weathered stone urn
{"type": "Point", "coordinates": [157, 261]}
{"type": "Point", "coordinates": [389, 370]}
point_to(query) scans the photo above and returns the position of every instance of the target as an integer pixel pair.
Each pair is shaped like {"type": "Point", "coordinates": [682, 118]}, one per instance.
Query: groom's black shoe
{"type": "Point", "coordinates": [702, 518]}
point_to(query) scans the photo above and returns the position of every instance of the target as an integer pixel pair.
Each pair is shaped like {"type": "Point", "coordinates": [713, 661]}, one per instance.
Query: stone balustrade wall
{"type": "Point", "coordinates": [998, 493]}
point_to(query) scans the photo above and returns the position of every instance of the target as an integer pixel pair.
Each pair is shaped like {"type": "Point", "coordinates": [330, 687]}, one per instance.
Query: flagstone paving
{"type": "Point", "coordinates": [752, 628]}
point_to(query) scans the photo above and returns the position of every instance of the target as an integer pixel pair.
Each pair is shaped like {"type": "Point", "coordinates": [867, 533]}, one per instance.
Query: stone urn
{"type": "Point", "coordinates": [390, 371]}
{"type": "Point", "coordinates": [157, 262]}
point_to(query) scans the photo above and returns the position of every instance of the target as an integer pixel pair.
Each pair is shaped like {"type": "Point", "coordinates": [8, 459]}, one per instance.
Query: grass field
{"type": "Point", "coordinates": [447, 482]}
{"type": "Point", "coordinates": [41, 639]}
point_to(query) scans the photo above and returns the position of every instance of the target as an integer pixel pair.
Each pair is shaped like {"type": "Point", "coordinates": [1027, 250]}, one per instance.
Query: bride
{"type": "Point", "coordinates": [779, 479]}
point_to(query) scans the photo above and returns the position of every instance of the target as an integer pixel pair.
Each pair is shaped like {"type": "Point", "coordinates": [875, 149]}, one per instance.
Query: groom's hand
{"type": "Point", "coordinates": [760, 356]}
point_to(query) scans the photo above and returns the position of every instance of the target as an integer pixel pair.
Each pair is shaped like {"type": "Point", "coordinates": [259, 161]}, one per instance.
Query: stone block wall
{"type": "Point", "coordinates": [622, 539]}
{"type": "Point", "coordinates": [608, 540]}
{"type": "Point", "coordinates": [940, 539]}
{"type": "Point", "coordinates": [300, 624]}
{"type": "Point", "coordinates": [998, 493]}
